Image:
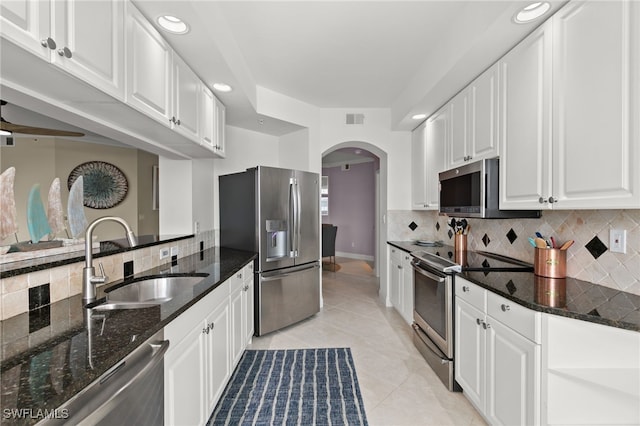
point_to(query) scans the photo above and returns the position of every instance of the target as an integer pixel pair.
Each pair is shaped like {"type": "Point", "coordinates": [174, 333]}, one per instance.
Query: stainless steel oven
{"type": "Point", "coordinates": [433, 313]}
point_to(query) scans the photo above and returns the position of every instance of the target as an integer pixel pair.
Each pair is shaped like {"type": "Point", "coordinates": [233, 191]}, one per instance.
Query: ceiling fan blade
{"type": "Point", "coordinates": [17, 128]}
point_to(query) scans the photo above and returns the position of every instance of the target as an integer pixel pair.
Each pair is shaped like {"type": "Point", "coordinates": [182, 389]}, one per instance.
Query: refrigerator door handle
{"type": "Point", "coordinates": [274, 276]}
{"type": "Point", "coordinates": [298, 220]}
{"type": "Point", "coordinates": [291, 222]}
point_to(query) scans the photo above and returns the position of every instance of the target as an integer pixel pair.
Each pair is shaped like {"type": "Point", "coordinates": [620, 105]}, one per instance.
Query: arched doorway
{"type": "Point", "coordinates": [367, 151]}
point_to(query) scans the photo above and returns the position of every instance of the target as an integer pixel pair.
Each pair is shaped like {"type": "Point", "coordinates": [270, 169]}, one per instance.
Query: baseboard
{"type": "Point", "coordinates": [355, 256]}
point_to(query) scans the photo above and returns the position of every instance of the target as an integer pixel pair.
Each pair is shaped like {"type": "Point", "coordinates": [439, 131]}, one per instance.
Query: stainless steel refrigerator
{"type": "Point", "coordinates": [275, 212]}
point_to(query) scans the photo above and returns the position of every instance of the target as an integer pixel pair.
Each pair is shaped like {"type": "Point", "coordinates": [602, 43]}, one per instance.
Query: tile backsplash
{"type": "Point", "coordinates": [589, 259]}
{"type": "Point", "coordinates": [65, 281]}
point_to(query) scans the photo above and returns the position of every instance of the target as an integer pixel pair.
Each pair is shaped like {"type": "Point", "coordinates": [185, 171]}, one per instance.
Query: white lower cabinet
{"type": "Point", "coordinates": [206, 343]}
{"type": "Point", "coordinates": [497, 355]}
{"type": "Point", "coordinates": [590, 373]}
{"type": "Point", "coordinates": [401, 283]}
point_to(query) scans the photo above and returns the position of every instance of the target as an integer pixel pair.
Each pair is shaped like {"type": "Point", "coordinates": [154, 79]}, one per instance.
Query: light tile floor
{"type": "Point", "coordinates": [397, 385]}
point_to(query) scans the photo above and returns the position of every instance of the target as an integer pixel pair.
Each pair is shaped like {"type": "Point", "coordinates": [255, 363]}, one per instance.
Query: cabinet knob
{"type": "Point", "coordinates": [485, 325]}
{"type": "Point", "coordinates": [65, 52]}
{"type": "Point", "coordinates": [48, 42]}
{"type": "Point", "coordinates": [399, 266]}
{"type": "Point", "coordinates": [552, 200]}
{"type": "Point", "coordinates": [240, 275]}
{"type": "Point", "coordinates": [177, 122]}
{"type": "Point", "coordinates": [205, 330]}
{"type": "Point", "coordinates": [406, 258]}
{"type": "Point", "coordinates": [478, 321]}
{"type": "Point", "coordinates": [504, 307]}
{"type": "Point", "coordinates": [541, 200]}
{"type": "Point", "coordinates": [213, 324]}
{"type": "Point", "coordinates": [173, 120]}
{"type": "Point", "coordinates": [465, 288]}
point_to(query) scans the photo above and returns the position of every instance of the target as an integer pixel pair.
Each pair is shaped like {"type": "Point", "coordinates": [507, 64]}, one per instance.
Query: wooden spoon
{"type": "Point", "coordinates": [540, 243]}
{"type": "Point", "coordinates": [566, 245]}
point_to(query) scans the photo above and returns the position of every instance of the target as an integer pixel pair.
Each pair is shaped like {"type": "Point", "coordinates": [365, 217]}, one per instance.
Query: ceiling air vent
{"type": "Point", "coordinates": [355, 118]}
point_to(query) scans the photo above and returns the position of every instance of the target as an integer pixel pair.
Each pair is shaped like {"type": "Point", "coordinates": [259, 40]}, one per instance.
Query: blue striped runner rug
{"type": "Point", "coordinates": [292, 387]}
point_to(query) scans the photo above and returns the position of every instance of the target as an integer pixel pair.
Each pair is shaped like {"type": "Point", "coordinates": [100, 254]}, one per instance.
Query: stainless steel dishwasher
{"type": "Point", "coordinates": [131, 392]}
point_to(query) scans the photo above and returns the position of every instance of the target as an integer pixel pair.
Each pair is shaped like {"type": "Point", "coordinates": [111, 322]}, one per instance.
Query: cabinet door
{"type": "Point", "coordinates": [185, 370]}
{"type": "Point", "coordinates": [419, 167]}
{"type": "Point", "coordinates": [207, 118]}
{"type": "Point", "coordinates": [237, 319]}
{"type": "Point", "coordinates": [470, 352]}
{"type": "Point", "coordinates": [26, 23]}
{"type": "Point", "coordinates": [96, 45]}
{"type": "Point", "coordinates": [525, 155]}
{"type": "Point", "coordinates": [407, 288]}
{"type": "Point", "coordinates": [596, 109]}
{"type": "Point", "coordinates": [218, 361]}
{"type": "Point", "coordinates": [438, 135]}
{"type": "Point", "coordinates": [220, 119]}
{"type": "Point", "coordinates": [483, 111]}
{"type": "Point", "coordinates": [186, 99]}
{"type": "Point", "coordinates": [459, 107]}
{"type": "Point", "coordinates": [395, 274]}
{"type": "Point", "coordinates": [148, 67]}
{"type": "Point", "coordinates": [248, 303]}
{"type": "Point", "coordinates": [512, 377]}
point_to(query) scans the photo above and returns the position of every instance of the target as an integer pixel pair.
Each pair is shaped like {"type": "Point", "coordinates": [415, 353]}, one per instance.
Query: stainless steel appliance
{"type": "Point", "coordinates": [131, 392]}
{"type": "Point", "coordinates": [473, 190]}
{"type": "Point", "coordinates": [276, 213]}
{"type": "Point", "coordinates": [434, 274]}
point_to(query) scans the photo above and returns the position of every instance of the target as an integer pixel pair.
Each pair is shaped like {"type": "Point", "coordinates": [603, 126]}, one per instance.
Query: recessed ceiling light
{"type": "Point", "coordinates": [419, 116]}
{"type": "Point", "coordinates": [532, 12]}
{"type": "Point", "coordinates": [222, 87]}
{"type": "Point", "coordinates": [173, 24]}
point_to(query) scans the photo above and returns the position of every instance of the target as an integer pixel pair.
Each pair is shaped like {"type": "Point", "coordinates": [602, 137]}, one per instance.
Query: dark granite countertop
{"type": "Point", "coordinates": [107, 248]}
{"type": "Point", "coordinates": [45, 353]}
{"type": "Point", "coordinates": [568, 297]}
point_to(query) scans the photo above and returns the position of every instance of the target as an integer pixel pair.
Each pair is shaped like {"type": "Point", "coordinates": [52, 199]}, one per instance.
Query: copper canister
{"type": "Point", "coordinates": [551, 291]}
{"type": "Point", "coordinates": [550, 263]}
{"type": "Point", "coordinates": [460, 248]}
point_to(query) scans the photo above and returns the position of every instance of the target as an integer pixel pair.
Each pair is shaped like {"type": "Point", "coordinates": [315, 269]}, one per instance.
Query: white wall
{"type": "Point", "coordinates": [203, 202]}
{"type": "Point", "coordinates": [176, 195]}
{"type": "Point", "coordinates": [294, 150]}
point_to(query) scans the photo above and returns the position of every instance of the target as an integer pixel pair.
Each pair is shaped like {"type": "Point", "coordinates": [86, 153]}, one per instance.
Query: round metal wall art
{"type": "Point", "coordinates": [105, 185]}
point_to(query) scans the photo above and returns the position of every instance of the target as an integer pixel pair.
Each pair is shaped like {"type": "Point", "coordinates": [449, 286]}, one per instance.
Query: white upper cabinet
{"type": "Point", "coordinates": [219, 113]}
{"type": "Point", "coordinates": [186, 100]}
{"type": "Point", "coordinates": [525, 154]}
{"type": "Point", "coordinates": [149, 59]}
{"type": "Point", "coordinates": [207, 118]}
{"type": "Point", "coordinates": [596, 105]}
{"type": "Point", "coordinates": [474, 120]}
{"type": "Point", "coordinates": [428, 158]}
{"type": "Point", "coordinates": [67, 33]}
{"type": "Point", "coordinates": [570, 111]}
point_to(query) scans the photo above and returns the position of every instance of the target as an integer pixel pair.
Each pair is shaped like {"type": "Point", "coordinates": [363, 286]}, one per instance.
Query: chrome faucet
{"type": "Point", "coordinates": [89, 279]}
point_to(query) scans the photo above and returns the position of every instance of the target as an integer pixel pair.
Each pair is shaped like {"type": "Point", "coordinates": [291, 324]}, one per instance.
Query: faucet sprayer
{"type": "Point", "coordinates": [89, 279]}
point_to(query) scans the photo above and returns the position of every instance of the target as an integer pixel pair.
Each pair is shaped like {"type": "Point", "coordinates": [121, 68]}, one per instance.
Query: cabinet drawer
{"type": "Point", "coordinates": [514, 316]}
{"type": "Point", "coordinates": [247, 272]}
{"type": "Point", "coordinates": [471, 293]}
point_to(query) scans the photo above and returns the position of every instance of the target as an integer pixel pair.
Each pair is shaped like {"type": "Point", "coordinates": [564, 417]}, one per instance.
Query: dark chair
{"type": "Point", "coordinates": [329, 242]}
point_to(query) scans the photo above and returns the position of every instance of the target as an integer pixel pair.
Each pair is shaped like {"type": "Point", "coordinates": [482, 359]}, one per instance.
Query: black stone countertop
{"type": "Point", "coordinates": [45, 353]}
{"type": "Point", "coordinates": [568, 297]}
{"type": "Point", "coordinates": [107, 248]}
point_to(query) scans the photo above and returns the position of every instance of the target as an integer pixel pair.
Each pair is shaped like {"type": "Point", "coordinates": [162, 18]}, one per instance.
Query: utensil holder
{"type": "Point", "coordinates": [549, 262]}
{"type": "Point", "coordinates": [460, 242]}
{"type": "Point", "coordinates": [550, 291]}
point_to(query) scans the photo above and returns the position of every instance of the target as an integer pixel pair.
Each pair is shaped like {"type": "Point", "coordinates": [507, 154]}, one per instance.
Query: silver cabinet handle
{"type": "Point", "coordinates": [541, 200]}
{"type": "Point", "coordinates": [178, 122]}
{"type": "Point", "coordinates": [399, 266]}
{"type": "Point", "coordinates": [239, 275]}
{"type": "Point", "coordinates": [205, 330]}
{"type": "Point", "coordinates": [65, 52]}
{"type": "Point", "coordinates": [504, 307]}
{"type": "Point", "coordinates": [48, 42]}
{"type": "Point", "coordinates": [479, 321]}
{"type": "Point", "coordinates": [552, 200]}
{"type": "Point", "coordinates": [485, 325]}
{"type": "Point", "coordinates": [465, 289]}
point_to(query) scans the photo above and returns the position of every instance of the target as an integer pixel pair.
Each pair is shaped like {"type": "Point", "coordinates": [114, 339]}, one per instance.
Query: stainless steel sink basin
{"type": "Point", "coordinates": [148, 292]}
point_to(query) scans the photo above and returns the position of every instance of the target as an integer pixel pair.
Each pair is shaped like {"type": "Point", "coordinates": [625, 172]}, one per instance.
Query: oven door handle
{"type": "Point", "coordinates": [421, 271]}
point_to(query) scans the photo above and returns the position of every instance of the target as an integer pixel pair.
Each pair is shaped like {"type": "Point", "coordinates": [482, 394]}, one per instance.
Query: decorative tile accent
{"type": "Point", "coordinates": [128, 269]}
{"type": "Point", "coordinates": [512, 236]}
{"type": "Point", "coordinates": [594, 313]}
{"type": "Point", "coordinates": [511, 287]}
{"type": "Point", "coordinates": [39, 296]}
{"type": "Point", "coordinates": [437, 226]}
{"type": "Point", "coordinates": [413, 226]}
{"type": "Point", "coordinates": [450, 234]}
{"type": "Point", "coordinates": [596, 247]}
{"type": "Point", "coordinates": [486, 240]}
{"type": "Point", "coordinates": [486, 263]}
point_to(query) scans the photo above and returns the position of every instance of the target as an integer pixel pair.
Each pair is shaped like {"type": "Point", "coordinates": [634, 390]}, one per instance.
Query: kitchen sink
{"type": "Point", "coordinates": [148, 292]}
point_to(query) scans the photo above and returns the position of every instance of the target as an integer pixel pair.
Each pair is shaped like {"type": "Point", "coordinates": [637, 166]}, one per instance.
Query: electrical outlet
{"type": "Point", "coordinates": [174, 251]}
{"type": "Point", "coordinates": [618, 240]}
{"type": "Point", "coordinates": [196, 227]}
{"type": "Point", "coordinates": [164, 253]}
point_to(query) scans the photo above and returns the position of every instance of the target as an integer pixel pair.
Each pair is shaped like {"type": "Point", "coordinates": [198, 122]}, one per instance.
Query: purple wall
{"type": "Point", "coordinates": [352, 207]}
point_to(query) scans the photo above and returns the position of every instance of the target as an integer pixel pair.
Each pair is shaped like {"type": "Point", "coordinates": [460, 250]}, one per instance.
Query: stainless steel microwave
{"type": "Point", "coordinates": [473, 190]}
